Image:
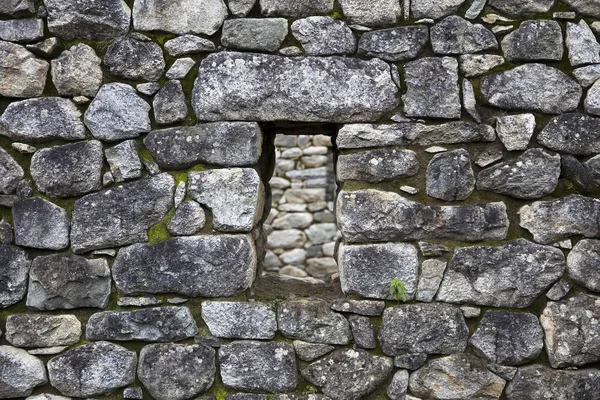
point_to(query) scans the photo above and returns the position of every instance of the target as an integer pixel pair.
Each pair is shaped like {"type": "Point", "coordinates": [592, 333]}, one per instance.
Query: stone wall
{"type": "Point", "coordinates": [138, 140]}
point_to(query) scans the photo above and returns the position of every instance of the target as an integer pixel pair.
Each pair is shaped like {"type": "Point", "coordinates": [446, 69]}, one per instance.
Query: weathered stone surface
{"type": "Point", "coordinates": [13, 275]}
{"type": "Point", "coordinates": [17, 8]}
{"type": "Point", "coordinates": [554, 220]}
{"type": "Point", "coordinates": [324, 36]}
{"type": "Point", "coordinates": [311, 351]}
{"type": "Point", "coordinates": [21, 73]}
{"type": "Point", "coordinates": [180, 68]}
{"type": "Point", "coordinates": [457, 376]}
{"type": "Point", "coordinates": [411, 361]}
{"type": "Point", "coordinates": [455, 35]}
{"type": "Point", "coordinates": [396, 44]}
{"type": "Point", "coordinates": [397, 389]}
{"type": "Point", "coordinates": [105, 366]}
{"type": "Point", "coordinates": [42, 120]}
{"type": "Point", "coordinates": [48, 48]}
{"type": "Point", "coordinates": [20, 372]}
{"type": "Point", "coordinates": [47, 396]}
{"type": "Point", "coordinates": [370, 308]}
{"type": "Point", "coordinates": [348, 374]}
{"type": "Point", "coordinates": [234, 86]}
{"type": "Point", "coordinates": [592, 100]}
{"type": "Point", "coordinates": [286, 239]}
{"type": "Point", "coordinates": [454, 132]}
{"type": "Point", "coordinates": [137, 206]}
{"type": "Point", "coordinates": [366, 270]}
{"type": "Point", "coordinates": [66, 281]}
{"type": "Point", "coordinates": [207, 266]}
{"type": "Point", "coordinates": [450, 176]}
{"type": "Point", "coordinates": [532, 87]}
{"type": "Point", "coordinates": [284, 8]}
{"type": "Point", "coordinates": [68, 170]}
{"type": "Point", "coordinates": [576, 134]}
{"type": "Point", "coordinates": [586, 7]}
{"type": "Point", "coordinates": [583, 264]}
{"type": "Point", "coordinates": [432, 88]}
{"type": "Point", "coordinates": [117, 113]}
{"type": "Point", "coordinates": [176, 371]}
{"type": "Point", "coordinates": [358, 136]}
{"type": "Point", "coordinates": [472, 65]}
{"type": "Point", "coordinates": [508, 338]}
{"type": "Point", "coordinates": [40, 330]}
{"type": "Point", "coordinates": [179, 16]}
{"type": "Point", "coordinates": [521, 8]}
{"type": "Point", "coordinates": [124, 161]}
{"type": "Point", "coordinates": [77, 72]}
{"type": "Point", "coordinates": [538, 40]}
{"type": "Point", "coordinates": [134, 59]}
{"type": "Point", "coordinates": [258, 366]}
{"type": "Point", "coordinates": [169, 104]}
{"type": "Point", "coordinates": [371, 13]}
{"type": "Point", "coordinates": [532, 175]}
{"type": "Point", "coordinates": [6, 233]}
{"type": "Point", "coordinates": [432, 272]}
{"type": "Point", "coordinates": [257, 34]}
{"type": "Point", "coordinates": [571, 331]}
{"type": "Point", "coordinates": [515, 131]}
{"type": "Point", "coordinates": [559, 290]}
{"type": "Point", "coordinates": [586, 76]}
{"type": "Point", "coordinates": [189, 219]}
{"type": "Point", "coordinates": [295, 220]}
{"type": "Point", "coordinates": [538, 381]}
{"type": "Point", "coordinates": [22, 30]}
{"type": "Point", "coordinates": [512, 275]}
{"type": "Point", "coordinates": [11, 173]}
{"type": "Point", "coordinates": [377, 165]}
{"type": "Point", "coordinates": [240, 8]}
{"type": "Point", "coordinates": [188, 44]}
{"type": "Point", "coordinates": [582, 44]}
{"type": "Point", "coordinates": [363, 331]}
{"type": "Point", "coordinates": [40, 224]}
{"type": "Point", "coordinates": [239, 320]}
{"type": "Point", "coordinates": [434, 9]}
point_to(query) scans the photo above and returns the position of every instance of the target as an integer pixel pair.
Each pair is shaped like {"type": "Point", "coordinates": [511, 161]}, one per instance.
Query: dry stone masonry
{"type": "Point", "coordinates": [209, 199]}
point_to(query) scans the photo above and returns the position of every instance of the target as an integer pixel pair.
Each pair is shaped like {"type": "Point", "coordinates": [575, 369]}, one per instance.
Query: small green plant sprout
{"type": "Point", "coordinates": [397, 289]}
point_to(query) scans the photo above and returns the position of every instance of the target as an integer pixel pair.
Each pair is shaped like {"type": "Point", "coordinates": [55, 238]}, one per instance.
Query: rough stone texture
{"type": "Point", "coordinates": [176, 371]}
{"type": "Point", "coordinates": [369, 308]}
{"type": "Point", "coordinates": [189, 219]}
{"type": "Point", "coordinates": [169, 104]}
{"type": "Point", "coordinates": [257, 34]}
{"type": "Point", "coordinates": [239, 320]}
{"type": "Point", "coordinates": [432, 272]}
{"type": "Point", "coordinates": [258, 366]}
{"type": "Point", "coordinates": [411, 361]}
{"type": "Point", "coordinates": [539, 381]}
{"type": "Point", "coordinates": [434, 9]}
{"type": "Point", "coordinates": [371, 13]}
{"type": "Point", "coordinates": [432, 88]}
{"type": "Point", "coordinates": [13, 275]}
{"type": "Point", "coordinates": [572, 133]}
{"type": "Point", "coordinates": [582, 44]}
{"type": "Point", "coordinates": [397, 389]}
{"type": "Point", "coordinates": [124, 161]}
{"type": "Point", "coordinates": [69, 170]}
{"type": "Point", "coordinates": [137, 205]}
{"type": "Point", "coordinates": [515, 131]}
{"type": "Point", "coordinates": [231, 86]}
{"type": "Point", "coordinates": [105, 366]}
{"type": "Point", "coordinates": [17, 8]}
{"type": "Point", "coordinates": [20, 372]}
{"type": "Point", "coordinates": [11, 173]}
{"type": "Point", "coordinates": [357, 136]}
{"type": "Point", "coordinates": [512, 275]}
{"type": "Point", "coordinates": [377, 165]}
{"type": "Point", "coordinates": [586, 7]}
{"type": "Point", "coordinates": [6, 233]}
{"type": "Point", "coordinates": [450, 176]}
{"type": "Point", "coordinates": [534, 41]}
{"type": "Point", "coordinates": [134, 59]}
{"type": "Point", "coordinates": [366, 270]}
{"type": "Point", "coordinates": [188, 44]}
{"type": "Point", "coordinates": [348, 374]}
{"type": "Point", "coordinates": [571, 331]}
{"type": "Point", "coordinates": [559, 290]}
{"type": "Point", "coordinates": [586, 76]}
{"type": "Point", "coordinates": [40, 224]}
{"type": "Point", "coordinates": [522, 8]}
{"type": "Point", "coordinates": [395, 44]}
{"type": "Point", "coordinates": [21, 73]}
{"type": "Point", "coordinates": [22, 30]}
{"type": "Point", "coordinates": [240, 8]}
{"type": "Point", "coordinates": [472, 65]}
{"type": "Point", "coordinates": [77, 72]}
{"type": "Point", "coordinates": [455, 35]}
{"type": "Point", "coordinates": [532, 87]}
{"type": "Point", "coordinates": [583, 264]}
{"type": "Point", "coordinates": [311, 351]}
{"type": "Point", "coordinates": [207, 266]}
{"type": "Point", "coordinates": [454, 132]}
{"type": "Point", "coordinates": [363, 331]}
{"type": "Point", "coordinates": [40, 330]}
{"type": "Point", "coordinates": [508, 338]}
{"type": "Point", "coordinates": [295, 9]}
{"type": "Point", "coordinates": [324, 36]}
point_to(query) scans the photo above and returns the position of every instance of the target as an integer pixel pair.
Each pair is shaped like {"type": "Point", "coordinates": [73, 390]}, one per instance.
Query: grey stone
{"type": "Point", "coordinates": [585, 7]}
{"type": "Point", "coordinates": [508, 338]}
{"type": "Point", "coordinates": [258, 366]}
{"type": "Point", "coordinates": [582, 44]}
{"type": "Point", "coordinates": [324, 36]}
{"type": "Point", "coordinates": [559, 290]}
{"type": "Point", "coordinates": [457, 376]}
{"type": "Point", "coordinates": [504, 372]}
{"type": "Point", "coordinates": [133, 59]}
{"type": "Point", "coordinates": [592, 101]}
{"type": "Point", "coordinates": [6, 233]}
{"type": "Point", "coordinates": [117, 113]}
{"type": "Point", "coordinates": [286, 239]}
{"type": "Point", "coordinates": [22, 30]}
{"type": "Point", "coordinates": [432, 88]}
{"type": "Point", "coordinates": [572, 133]}
{"type": "Point", "coordinates": [239, 320]}
{"type": "Point", "coordinates": [293, 221]}
{"type": "Point", "coordinates": [169, 104]}
{"type": "Point", "coordinates": [47, 396]}
{"type": "Point", "coordinates": [42, 120]}
{"type": "Point", "coordinates": [68, 170]}
{"type": "Point", "coordinates": [434, 9]}
{"type": "Point", "coordinates": [410, 361]}
{"type": "Point", "coordinates": [586, 76]}
{"type": "Point", "coordinates": [432, 272]}
{"type": "Point", "coordinates": [11, 173]}
{"type": "Point", "coordinates": [138, 301]}
{"type": "Point", "coordinates": [532, 87]}
{"type": "Point", "coordinates": [137, 206]}
{"type": "Point", "coordinates": [539, 381]}
{"type": "Point", "coordinates": [554, 220]}
{"type": "Point", "coordinates": [284, 8]}
{"type": "Point", "coordinates": [395, 44]}
{"type": "Point", "coordinates": [511, 275]}
{"type": "Point", "coordinates": [189, 219]}
{"type": "Point", "coordinates": [377, 165]}
{"type": "Point", "coordinates": [571, 331]}
{"type": "Point", "coordinates": [240, 8]}
{"type": "Point", "coordinates": [23, 148]}
{"type": "Point", "coordinates": [472, 65]}
{"type": "Point", "coordinates": [179, 16]}
{"type": "Point", "coordinates": [469, 100]}
{"type": "Point", "coordinates": [207, 266]}
{"type": "Point", "coordinates": [133, 393]}
{"type": "Point", "coordinates": [583, 264]}
{"type": "Point", "coordinates": [371, 13]}
{"type": "Point", "coordinates": [180, 68]}
{"type": "Point", "coordinates": [321, 268]}
{"type": "Point", "coordinates": [77, 72]}
{"type": "Point", "coordinates": [246, 396]}
{"type": "Point", "coordinates": [321, 233]}
{"type": "Point", "coordinates": [105, 366]}
{"type": "Point", "coordinates": [176, 371]}
{"type": "Point", "coordinates": [532, 175]}
{"type": "Point", "coordinates": [455, 35]}
{"type": "Point", "coordinates": [40, 330]}
{"type": "Point", "coordinates": [399, 385]}
{"type": "Point", "coordinates": [48, 48]}
{"type": "Point", "coordinates": [257, 34]}
{"type": "Point", "coordinates": [17, 8]}
{"type": "Point", "coordinates": [40, 224]}
{"type": "Point", "coordinates": [593, 167]}
{"type": "Point", "coordinates": [522, 8]}
{"type": "Point", "coordinates": [188, 44]}
{"type": "Point", "coordinates": [67, 281]}
{"type": "Point", "coordinates": [311, 351]}
{"type": "Point", "coordinates": [21, 73]}
{"type": "Point", "coordinates": [432, 249]}
{"type": "Point", "coordinates": [363, 331]}
{"type": "Point", "coordinates": [20, 372]}
{"type": "Point", "coordinates": [13, 275]}
{"type": "Point", "coordinates": [370, 308]}
{"type": "Point", "coordinates": [450, 176]}
{"type": "Point", "coordinates": [232, 86]}
{"type": "Point", "coordinates": [538, 40]}
{"type": "Point", "coordinates": [124, 161]}
{"type": "Point", "coordinates": [148, 89]}
{"type": "Point", "coordinates": [475, 9]}
{"type": "Point", "coordinates": [515, 131]}
{"type": "Point", "coordinates": [454, 132]}
{"type": "Point", "coordinates": [88, 19]}
{"type": "Point", "coordinates": [433, 328]}
{"type": "Point", "coordinates": [159, 324]}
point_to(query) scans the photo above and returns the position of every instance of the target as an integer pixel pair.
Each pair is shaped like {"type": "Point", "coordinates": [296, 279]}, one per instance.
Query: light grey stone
{"type": "Point", "coordinates": [371, 13]}
{"type": "Point", "coordinates": [20, 372]}
{"type": "Point", "coordinates": [432, 272]}
{"type": "Point", "coordinates": [470, 312]}
{"type": "Point", "coordinates": [286, 239]}
{"type": "Point", "coordinates": [40, 330]}
{"type": "Point", "coordinates": [377, 165]}
{"type": "Point", "coordinates": [586, 76]}
{"type": "Point", "coordinates": [180, 68]}
{"type": "Point", "coordinates": [47, 396]}
{"type": "Point", "coordinates": [124, 161]}
{"type": "Point", "coordinates": [77, 72]}
{"type": "Point", "coordinates": [592, 101]}
{"type": "Point", "coordinates": [293, 221]}
{"type": "Point", "coordinates": [11, 173]}
{"type": "Point", "coordinates": [538, 40]}
{"type": "Point", "coordinates": [40, 224]}
{"type": "Point", "coordinates": [469, 101]}
{"type": "Point", "coordinates": [399, 385]}
{"type": "Point", "coordinates": [434, 9]}
{"type": "Point", "coordinates": [515, 131]}
{"type": "Point", "coordinates": [13, 276]}
{"type": "Point", "coordinates": [232, 86]}
{"type": "Point", "coordinates": [311, 351]}
{"type": "Point", "coordinates": [512, 275]}
{"type": "Point", "coordinates": [257, 34]}
{"type": "Point", "coordinates": [240, 8]}
{"type": "Point", "coordinates": [188, 44]}
{"type": "Point", "coordinates": [432, 249]}
{"type": "Point", "coordinates": [134, 59]}
{"type": "Point", "coordinates": [371, 308]}
{"type": "Point", "coordinates": [22, 30]}
{"type": "Point", "coordinates": [133, 393]}
{"type": "Point", "coordinates": [169, 104]}
{"type": "Point", "coordinates": [189, 219]}
{"type": "Point", "coordinates": [575, 134]}
{"type": "Point", "coordinates": [17, 8]}
{"type": "Point", "coordinates": [583, 264]}
{"type": "Point", "coordinates": [285, 8]}
{"type": "Point", "coordinates": [539, 381]}
{"type": "Point", "coordinates": [138, 301]}
{"type": "Point", "coordinates": [23, 148]}
{"type": "Point", "coordinates": [475, 9]}
{"type": "Point", "coordinates": [363, 331]}
{"type": "Point", "coordinates": [324, 36]}
{"type": "Point", "coordinates": [322, 267]}
{"type": "Point", "coordinates": [321, 233]}
{"type": "Point", "coordinates": [239, 320]}
{"type": "Point", "coordinates": [6, 233]}
{"type": "Point", "coordinates": [148, 89]}
{"type": "Point", "coordinates": [582, 44]}
{"type": "Point", "coordinates": [22, 74]}
{"type": "Point", "coordinates": [559, 290]}
{"type": "Point", "coordinates": [455, 35]}
{"type": "Point", "coordinates": [450, 176]}
{"type": "Point", "coordinates": [585, 7]}
{"type": "Point", "coordinates": [472, 65]}
{"type": "Point", "coordinates": [395, 44]}
{"type": "Point", "coordinates": [522, 8]}
{"type": "Point", "coordinates": [454, 132]}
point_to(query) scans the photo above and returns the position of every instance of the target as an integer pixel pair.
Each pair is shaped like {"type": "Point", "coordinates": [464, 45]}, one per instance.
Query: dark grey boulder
{"type": "Point", "coordinates": [40, 224]}
{"type": "Point", "coordinates": [169, 104]}
{"type": "Point", "coordinates": [137, 205]}
{"type": "Point", "coordinates": [124, 161]}
{"type": "Point", "coordinates": [377, 165]}
{"type": "Point", "coordinates": [22, 74]}
{"type": "Point", "coordinates": [40, 330]}
{"type": "Point", "coordinates": [512, 275]}
{"type": "Point", "coordinates": [17, 8]}
{"type": "Point", "coordinates": [434, 9]}
{"type": "Point", "coordinates": [583, 264]}
{"type": "Point", "coordinates": [395, 44]}
{"type": "Point", "coordinates": [77, 72]}
{"type": "Point", "coordinates": [13, 275]}
{"type": "Point", "coordinates": [255, 34]}
{"type": "Point", "coordinates": [324, 36]}
{"type": "Point", "coordinates": [11, 173]}
{"type": "Point", "coordinates": [522, 8]}
{"type": "Point", "coordinates": [348, 374]}
{"type": "Point", "coordinates": [577, 134]}
{"type": "Point", "coordinates": [508, 338]}
{"type": "Point", "coordinates": [69, 170]}
{"type": "Point", "coordinates": [539, 40]}
{"type": "Point", "coordinates": [454, 132]}
{"type": "Point", "coordinates": [239, 320]}
{"type": "Point", "coordinates": [189, 219]}
{"type": "Point", "coordinates": [311, 351]}
{"type": "Point", "coordinates": [359, 136]}
{"type": "Point", "coordinates": [188, 44]}
{"type": "Point", "coordinates": [176, 371]}
{"type": "Point", "coordinates": [539, 381]}
{"type": "Point", "coordinates": [20, 372]}
{"type": "Point", "coordinates": [285, 8]}
{"type": "Point", "coordinates": [455, 35]}
{"type": "Point", "coordinates": [134, 59]}
{"type": "Point", "coordinates": [585, 7]}
{"type": "Point", "coordinates": [258, 366]}
{"type": "Point", "coordinates": [261, 87]}
{"type": "Point", "coordinates": [370, 308]}
{"type": "Point", "coordinates": [207, 266]}
{"type": "Point", "coordinates": [67, 281]}
{"type": "Point", "coordinates": [22, 30]}
{"type": "Point", "coordinates": [532, 175]}
{"type": "Point", "coordinates": [450, 176]}
{"type": "Point", "coordinates": [105, 366]}
{"type": "Point", "coordinates": [579, 175]}
{"type": "Point", "coordinates": [363, 331]}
